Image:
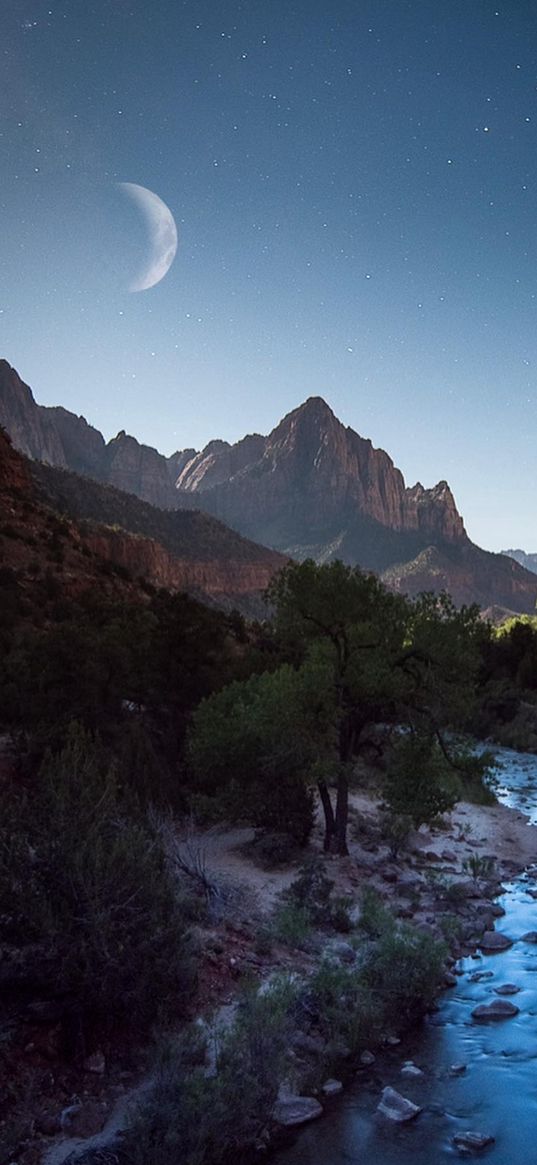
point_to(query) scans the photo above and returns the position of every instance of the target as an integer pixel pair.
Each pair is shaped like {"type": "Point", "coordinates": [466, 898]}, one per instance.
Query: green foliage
{"type": "Point", "coordinates": [312, 891]}
{"type": "Point", "coordinates": [345, 1011]}
{"type": "Point", "coordinates": [404, 970]}
{"type": "Point", "coordinates": [395, 828]}
{"type": "Point", "coordinates": [83, 876]}
{"type": "Point", "coordinates": [452, 928]}
{"type": "Point", "coordinates": [205, 1119]}
{"type": "Point", "coordinates": [479, 866]}
{"type": "Point", "coordinates": [291, 924]}
{"type": "Point", "coordinates": [260, 737]}
{"type": "Point", "coordinates": [420, 783]}
{"type": "Point", "coordinates": [375, 918]}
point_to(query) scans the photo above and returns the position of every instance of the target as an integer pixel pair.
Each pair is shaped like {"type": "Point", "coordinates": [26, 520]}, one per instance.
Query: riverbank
{"type": "Point", "coordinates": [426, 886]}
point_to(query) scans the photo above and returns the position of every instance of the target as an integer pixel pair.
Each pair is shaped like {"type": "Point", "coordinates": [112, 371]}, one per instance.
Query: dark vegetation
{"type": "Point", "coordinates": [110, 706]}
{"type": "Point", "coordinates": [178, 530]}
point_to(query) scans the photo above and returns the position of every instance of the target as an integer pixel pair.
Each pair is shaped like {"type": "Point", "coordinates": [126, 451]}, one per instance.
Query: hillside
{"type": "Point", "coordinates": [50, 527]}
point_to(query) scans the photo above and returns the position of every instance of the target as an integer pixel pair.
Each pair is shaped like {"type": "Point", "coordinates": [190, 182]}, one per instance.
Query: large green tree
{"type": "Point", "coordinates": [256, 742]}
{"type": "Point", "coordinates": [388, 660]}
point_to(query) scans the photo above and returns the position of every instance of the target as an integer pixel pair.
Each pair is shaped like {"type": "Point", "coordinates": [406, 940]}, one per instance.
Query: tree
{"type": "Point", "coordinates": [256, 742]}
{"type": "Point", "coordinates": [389, 660]}
{"type": "Point", "coordinates": [420, 782]}
{"type": "Point", "coordinates": [358, 627]}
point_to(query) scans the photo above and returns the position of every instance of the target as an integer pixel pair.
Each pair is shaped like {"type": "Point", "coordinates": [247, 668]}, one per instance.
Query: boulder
{"type": "Point", "coordinates": [498, 1009]}
{"type": "Point", "coordinates": [477, 976]}
{"type": "Point", "coordinates": [396, 1107]}
{"type": "Point", "coordinates": [411, 1069]}
{"type": "Point", "coordinates": [472, 1142]}
{"type": "Point", "coordinates": [332, 1087]}
{"type": "Point", "coordinates": [295, 1110]}
{"type": "Point", "coordinates": [530, 937]}
{"type": "Point", "coordinates": [457, 1069]}
{"type": "Point", "coordinates": [507, 989]}
{"type": "Point", "coordinates": [493, 940]}
{"type": "Point", "coordinates": [367, 1059]}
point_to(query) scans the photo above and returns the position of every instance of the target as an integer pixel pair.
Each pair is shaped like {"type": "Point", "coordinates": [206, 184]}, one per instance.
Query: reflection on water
{"type": "Point", "coordinates": [498, 1092]}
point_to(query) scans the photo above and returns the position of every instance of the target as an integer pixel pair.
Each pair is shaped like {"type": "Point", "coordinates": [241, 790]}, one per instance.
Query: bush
{"type": "Point", "coordinates": [395, 829]}
{"type": "Point", "coordinates": [479, 866]}
{"type": "Point", "coordinates": [343, 1009]}
{"type": "Point", "coordinates": [404, 970]}
{"type": "Point", "coordinates": [291, 924]}
{"type": "Point", "coordinates": [198, 1118]}
{"type": "Point", "coordinates": [83, 876]}
{"type": "Point", "coordinates": [312, 891]}
{"type": "Point", "coordinates": [375, 918]}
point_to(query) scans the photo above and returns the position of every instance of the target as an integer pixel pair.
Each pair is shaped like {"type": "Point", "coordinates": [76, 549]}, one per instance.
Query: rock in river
{"type": "Point", "coordinates": [472, 1142]}
{"type": "Point", "coordinates": [493, 940]}
{"type": "Point", "coordinates": [498, 1009]}
{"type": "Point", "coordinates": [530, 937]}
{"type": "Point", "coordinates": [296, 1110]}
{"type": "Point", "coordinates": [507, 989]}
{"type": "Point", "coordinates": [397, 1107]}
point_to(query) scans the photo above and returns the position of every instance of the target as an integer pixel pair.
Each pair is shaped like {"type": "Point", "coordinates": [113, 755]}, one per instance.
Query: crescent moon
{"type": "Point", "coordinates": [162, 234]}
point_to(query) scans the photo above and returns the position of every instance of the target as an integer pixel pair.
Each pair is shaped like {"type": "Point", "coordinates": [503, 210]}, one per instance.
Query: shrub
{"type": "Point", "coordinates": [395, 829]}
{"type": "Point", "coordinates": [404, 970]}
{"type": "Point", "coordinates": [479, 866]}
{"type": "Point", "coordinates": [375, 918]}
{"type": "Point", "coordinates": [291, 924]}
{"type": "Point", "coordinates": [343, 1009]}
{"type": "Point", "coordinates": [312, 891]}
{"type": "Point", "coordinates": [198, 1118]}
{"type": "Point", "coordinates": [84, 876]}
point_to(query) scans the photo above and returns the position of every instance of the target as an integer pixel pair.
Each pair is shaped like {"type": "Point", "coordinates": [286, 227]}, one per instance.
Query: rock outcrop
{"type": "Point", "coordinates": [312, 483]}
{"type": "Point", "coordinates": [529, 561]}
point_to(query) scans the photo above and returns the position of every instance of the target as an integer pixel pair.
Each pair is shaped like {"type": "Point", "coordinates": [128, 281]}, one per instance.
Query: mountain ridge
{"type": "Point", "coordinates": [312, 487]}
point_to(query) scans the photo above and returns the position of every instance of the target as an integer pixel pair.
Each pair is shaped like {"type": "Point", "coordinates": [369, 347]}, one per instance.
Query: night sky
{"type": "Point", "coordinates": [355, 190]}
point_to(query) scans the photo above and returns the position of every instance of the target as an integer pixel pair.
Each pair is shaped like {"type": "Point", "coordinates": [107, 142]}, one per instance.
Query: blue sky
{"type": "Point", "coordinates": [355, 190]}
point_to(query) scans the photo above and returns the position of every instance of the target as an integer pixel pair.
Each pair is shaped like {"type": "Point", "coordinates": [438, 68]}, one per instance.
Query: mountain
{"type": "Point", "coordinates": [55, 522]}
{"type": "Point", "coordinates": [311, 488]}
{"type": "Point", "coordinates": [529, 561]}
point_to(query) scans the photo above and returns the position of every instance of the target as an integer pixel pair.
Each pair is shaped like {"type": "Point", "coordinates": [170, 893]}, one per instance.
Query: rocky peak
{"type": "Point", "coordinates": [31, 430]}
{"type": "Point", "coordinates": [137, 469]}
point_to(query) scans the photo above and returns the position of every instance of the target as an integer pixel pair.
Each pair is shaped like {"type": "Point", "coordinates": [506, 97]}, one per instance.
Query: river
{"type": "Point", "coordinates": [497, 1094]}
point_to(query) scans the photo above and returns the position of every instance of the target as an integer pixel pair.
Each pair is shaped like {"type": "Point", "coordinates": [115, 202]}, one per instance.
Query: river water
{"type": "Point", "coordinates": [497, 1094]}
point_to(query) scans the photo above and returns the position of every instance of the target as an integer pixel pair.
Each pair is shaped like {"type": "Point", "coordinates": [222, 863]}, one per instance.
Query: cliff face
{"type": "Point", "coordinates": [137, 469]}
{"type": "Point", "coordinates": [29, 427]}
{"type": "Point", "coordinates": [529, 561]}
{"type": "Point", "coordinates": [312, 481]}
{"type": "Point", "coordinates": [58, 437]}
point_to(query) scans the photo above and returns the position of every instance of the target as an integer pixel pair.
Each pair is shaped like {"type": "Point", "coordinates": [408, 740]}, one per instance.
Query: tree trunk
{"type": "Point", "coordinates": [329, 819]}
{"type": "Point", "coordinates": [342, 814]}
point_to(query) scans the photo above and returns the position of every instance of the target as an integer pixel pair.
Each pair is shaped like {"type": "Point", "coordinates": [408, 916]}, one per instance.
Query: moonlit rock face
{"type": "Point", "coordinates": [162, 234]}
